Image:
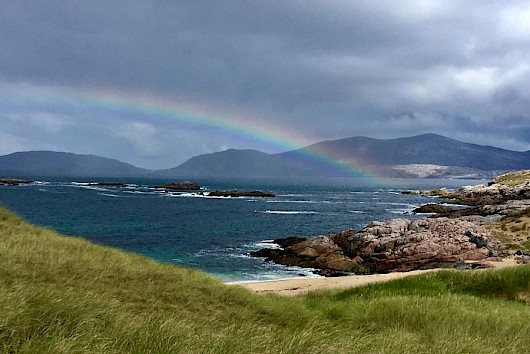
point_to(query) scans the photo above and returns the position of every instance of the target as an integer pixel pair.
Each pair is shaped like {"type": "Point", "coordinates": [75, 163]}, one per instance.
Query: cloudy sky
{"type": "Point", "coordinates": [154, 82]}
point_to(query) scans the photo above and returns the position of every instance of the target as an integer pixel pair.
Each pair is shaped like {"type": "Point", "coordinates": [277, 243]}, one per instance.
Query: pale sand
{"type": "Point", "coordinates": [303, 285]}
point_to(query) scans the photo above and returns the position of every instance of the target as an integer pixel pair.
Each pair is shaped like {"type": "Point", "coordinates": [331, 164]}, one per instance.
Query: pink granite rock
{"type": "Point", "coordinates": [393, 245]}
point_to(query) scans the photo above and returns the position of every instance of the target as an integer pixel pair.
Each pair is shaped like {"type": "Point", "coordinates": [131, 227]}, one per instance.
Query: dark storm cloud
{"type": "Point", "coordinates": [206, 45]}
{"type": "Point", "coordinates": [330, 69]}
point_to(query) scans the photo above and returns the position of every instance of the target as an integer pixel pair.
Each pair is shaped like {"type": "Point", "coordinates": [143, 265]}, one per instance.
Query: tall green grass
{"type": "Point", "coordinates": [66, 295]}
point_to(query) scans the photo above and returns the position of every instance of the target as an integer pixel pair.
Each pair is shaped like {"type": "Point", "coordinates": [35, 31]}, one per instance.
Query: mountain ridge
{"type": "Point", "coordinates": [426, 155]}
{"type": "Point", "coordinates": [422, 149]}
{"type": "Point", "coordinates": [55, 163]}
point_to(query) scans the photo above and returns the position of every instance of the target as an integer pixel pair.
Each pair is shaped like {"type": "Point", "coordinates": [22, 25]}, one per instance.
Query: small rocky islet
{"type": "Point", "coordinates": [179, 186]}
{"type": "Point", "coordinates": [236, 194]}
{"type": "Point", "coordinates": [186, 186]}
{"type": "Point", "coordinates": [465, 237]}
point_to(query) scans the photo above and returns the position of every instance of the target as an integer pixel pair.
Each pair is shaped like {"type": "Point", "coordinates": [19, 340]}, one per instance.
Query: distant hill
{"type": "Point", "coordinates": [421, 149]}
{"type": "Point", "coordinates": [49, 163]}
{"type": "Point", "coordinates": [427, 155]}
{"type": "Point", "coordinates": [237, 163]}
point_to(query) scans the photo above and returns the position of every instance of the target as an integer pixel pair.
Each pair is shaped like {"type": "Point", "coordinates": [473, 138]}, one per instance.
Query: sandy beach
{"type": "Point", "coordinates": [299, 286]}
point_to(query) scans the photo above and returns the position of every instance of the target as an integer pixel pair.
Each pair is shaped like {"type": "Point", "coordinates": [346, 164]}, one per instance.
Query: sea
{"type": "Point", "coordinates": [215, 234]}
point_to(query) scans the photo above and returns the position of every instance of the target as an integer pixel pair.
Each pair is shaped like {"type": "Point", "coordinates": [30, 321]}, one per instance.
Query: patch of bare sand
{"type": "Point", "coordinates": [299, 286]}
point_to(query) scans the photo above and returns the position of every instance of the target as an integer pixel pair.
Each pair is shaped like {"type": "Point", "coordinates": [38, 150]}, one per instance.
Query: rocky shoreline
{"type": "Point", "coordinates": [449, 237]}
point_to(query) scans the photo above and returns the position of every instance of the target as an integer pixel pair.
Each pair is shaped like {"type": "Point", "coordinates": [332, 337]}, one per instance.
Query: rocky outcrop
{"type": "Point", "coordinates": [449, 238]}
{"type": "Point", "coordinates": [394, 245]}
{"type": "Point", "coordinates": [13, 181]}
{"type": "Point", "coordinates": [433, 209]}
{"type": "Point", "coordinates": [432, 192]}
{"type": "Point", "coordinates": [509, 187]}
{"type": "Point", "coordinates": [492, 194]}
{"type": "Point", "coordinates": [179, 186]}
{"type": "Point", "coordinates": [505, 194]}
{"type": "Point", "coordinates": [235, 194]}
{"type": "Point", "coordinates": [506, 208]}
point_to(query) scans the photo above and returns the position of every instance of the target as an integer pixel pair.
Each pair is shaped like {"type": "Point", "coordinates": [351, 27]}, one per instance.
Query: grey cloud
{"type": "Point", "coordinates": [330, 69]}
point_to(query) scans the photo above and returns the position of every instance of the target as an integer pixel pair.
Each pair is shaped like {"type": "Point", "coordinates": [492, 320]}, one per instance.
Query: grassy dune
{"type": "Point", "coordinates": [512, 179]}
{"type": "Point", "coordinates": [62, 294]}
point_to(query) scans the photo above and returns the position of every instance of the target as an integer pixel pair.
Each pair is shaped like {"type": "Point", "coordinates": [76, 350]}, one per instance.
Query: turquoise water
{"type": "Point", "coordinates": [214, 234]}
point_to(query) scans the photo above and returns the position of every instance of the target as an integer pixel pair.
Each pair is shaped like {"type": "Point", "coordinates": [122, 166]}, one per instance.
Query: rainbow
{"type": "Point", "coordinates": [190, 116]}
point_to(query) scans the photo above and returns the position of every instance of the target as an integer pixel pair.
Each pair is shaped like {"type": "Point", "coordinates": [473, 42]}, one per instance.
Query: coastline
{"type": "Point", "coordinates": [298, 286]}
